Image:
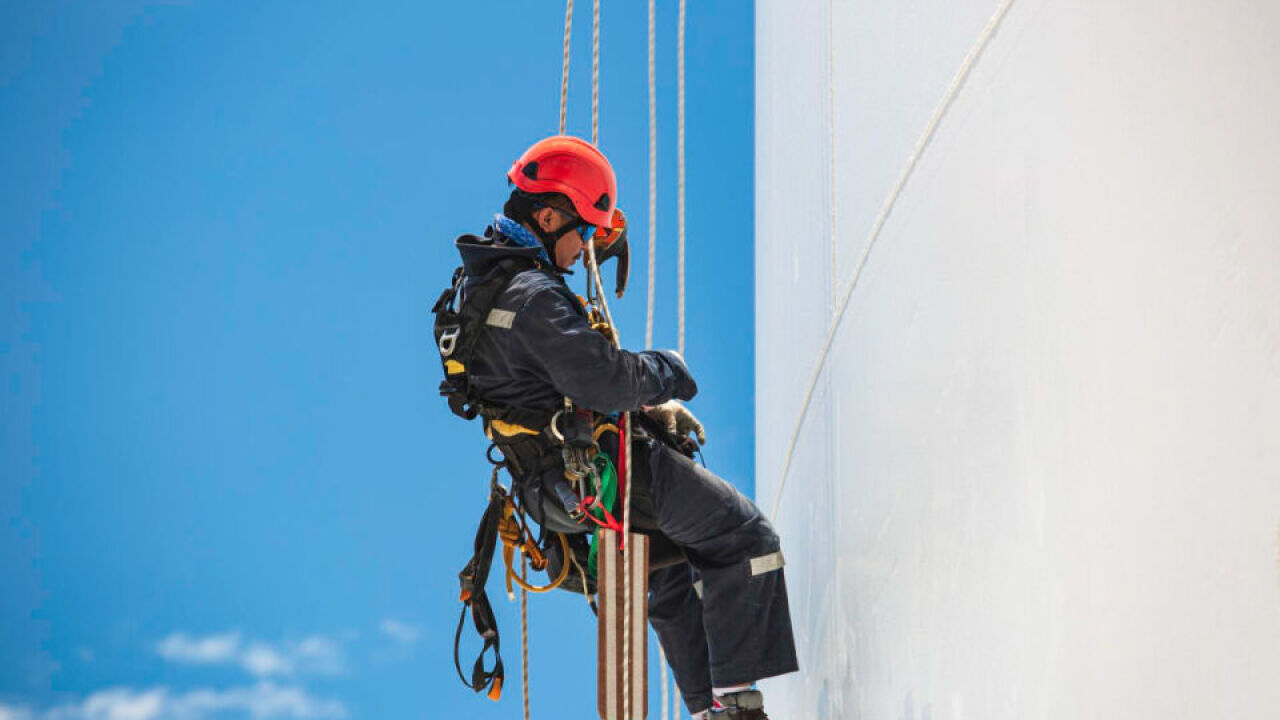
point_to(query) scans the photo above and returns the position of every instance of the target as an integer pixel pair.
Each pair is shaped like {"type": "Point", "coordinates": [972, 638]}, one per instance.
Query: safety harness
{"type": "Point", "coordinates": [525, 437]}
{"type": "Point", "coordinates": [473, 578]}
{"type": "Point", "coordinates": [530, 441]}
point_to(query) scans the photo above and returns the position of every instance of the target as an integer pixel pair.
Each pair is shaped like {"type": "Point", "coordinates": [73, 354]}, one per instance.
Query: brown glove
{"type": "Point", "coordinates": [677, 419]}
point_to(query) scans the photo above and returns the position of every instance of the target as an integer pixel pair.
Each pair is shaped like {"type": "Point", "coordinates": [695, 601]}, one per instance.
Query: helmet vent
{"type": "Point", "coordinates": [531, 170]}
{"type": "Point", "coordinates": [603, 203]}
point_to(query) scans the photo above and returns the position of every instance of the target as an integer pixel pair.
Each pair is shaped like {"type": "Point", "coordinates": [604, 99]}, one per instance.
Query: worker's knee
{"type": "Point", "coordinates": [708, 517]}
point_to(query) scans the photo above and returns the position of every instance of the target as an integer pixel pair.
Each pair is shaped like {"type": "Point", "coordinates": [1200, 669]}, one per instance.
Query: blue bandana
{"type": "Point", "coordinates": [520, 236]}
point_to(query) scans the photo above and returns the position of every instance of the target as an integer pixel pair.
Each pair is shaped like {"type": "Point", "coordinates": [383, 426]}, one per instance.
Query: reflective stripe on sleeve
{"type": "Point", "coordinates": [767, 563]}
{"type": "Point", "coordinates": [500, 318]}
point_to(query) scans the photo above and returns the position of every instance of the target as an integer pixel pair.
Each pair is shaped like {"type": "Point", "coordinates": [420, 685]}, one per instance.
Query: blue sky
{"type": "Point", "coordinates": [228, 484]}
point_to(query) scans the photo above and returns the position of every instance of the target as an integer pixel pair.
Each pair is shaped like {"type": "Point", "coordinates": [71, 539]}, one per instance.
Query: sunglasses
{"type": "Point", "coordinates": [584, 229]}
{"type": "Point", "coordinates": [602, 237]}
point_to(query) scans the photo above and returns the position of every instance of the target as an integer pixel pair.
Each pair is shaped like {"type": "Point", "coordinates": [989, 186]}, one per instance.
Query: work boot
{"type": "Point", "coordinates": [741, 705]}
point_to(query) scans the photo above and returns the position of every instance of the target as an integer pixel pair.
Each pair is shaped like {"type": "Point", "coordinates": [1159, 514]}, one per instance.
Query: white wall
{"type": "Point", "coordinates": [1041, 474]}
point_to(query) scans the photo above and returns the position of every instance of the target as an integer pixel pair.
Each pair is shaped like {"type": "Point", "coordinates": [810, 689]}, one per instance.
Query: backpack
{"type": "Point", "coordinates": [460, 313]}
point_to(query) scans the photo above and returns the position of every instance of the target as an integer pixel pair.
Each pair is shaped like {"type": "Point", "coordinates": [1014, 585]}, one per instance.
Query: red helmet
{"type": "Point", "coordinates": [574, 168]}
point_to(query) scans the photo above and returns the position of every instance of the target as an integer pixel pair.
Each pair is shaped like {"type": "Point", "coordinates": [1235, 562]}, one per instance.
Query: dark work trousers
{"type": "Point", "coordinates": [722, 616]}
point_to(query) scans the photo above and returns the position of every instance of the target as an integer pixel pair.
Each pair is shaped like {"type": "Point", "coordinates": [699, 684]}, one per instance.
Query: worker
{"type": "Point", "coordinates": [719, 608]}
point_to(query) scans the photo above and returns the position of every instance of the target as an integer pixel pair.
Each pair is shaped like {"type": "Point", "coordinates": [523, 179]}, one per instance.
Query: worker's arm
{"type": "Point", "coordinates": [584, 366]}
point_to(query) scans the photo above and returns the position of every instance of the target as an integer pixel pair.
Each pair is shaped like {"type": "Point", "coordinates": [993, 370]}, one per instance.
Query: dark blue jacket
{"type": "Point", "coordinates": [539, 348]}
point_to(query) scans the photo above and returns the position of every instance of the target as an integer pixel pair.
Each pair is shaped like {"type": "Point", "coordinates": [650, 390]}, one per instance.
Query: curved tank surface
{"type": "Point", "coordinates": [1039, 474]}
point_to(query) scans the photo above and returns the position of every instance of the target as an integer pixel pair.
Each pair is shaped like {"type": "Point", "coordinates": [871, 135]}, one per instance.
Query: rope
{"type": "Point", "coordinates": [515, 537]}
{"type": "Point", "coordinates": [680, 272]}
{"type": "Point", "coordinates": [680, 264]}
{"type": "Point", "coordinates": [524, 637]}
{"type": "Point", "coordinates": [662, 663]}
{"type": "Point", "coordinates": [956, 83]}
{"type": "Point", "coordinates": [564, 72]}
{"type": "Point", "coordinates": [680, 163]}
{"type": "Point", "coordinates": [583, 574]}
{"type": "Point", "coordinates": [595, 73]}
{"type": "Point", "coordinates": [625, 441]}
{"type": "Point", "coordinates": [626, 579]}
{"type": "Point", "coordinates": [653, 235]}
{"type": "Point", "coordinates": [524, 594]}
{"type": "Point", "coordinates": [604, 304]}
{"type": "Point", "coordinates": [595, 278]}
{"type": "Point", "coordinates": [653, 185]}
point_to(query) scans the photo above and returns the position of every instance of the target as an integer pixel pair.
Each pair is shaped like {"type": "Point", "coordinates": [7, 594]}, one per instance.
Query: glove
{"type": "Point", "coordinates": [677, 419]}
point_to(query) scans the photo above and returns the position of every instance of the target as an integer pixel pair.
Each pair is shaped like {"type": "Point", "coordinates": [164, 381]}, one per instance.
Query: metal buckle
{"type": "Point", "coordinates": [555, 432]}
{"type": "Point", "coordinates": [449, 340]}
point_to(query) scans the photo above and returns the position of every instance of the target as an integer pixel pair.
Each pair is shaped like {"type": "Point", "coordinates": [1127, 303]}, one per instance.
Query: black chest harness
{"type": "Point", "coordinates": [461, 312]}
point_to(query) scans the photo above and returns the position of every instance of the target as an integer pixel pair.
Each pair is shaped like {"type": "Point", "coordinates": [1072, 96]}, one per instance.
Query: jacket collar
{"type": "Point", "coordinates": [519, 235]}
{"type": "Point", "coordinates": [505, 238]}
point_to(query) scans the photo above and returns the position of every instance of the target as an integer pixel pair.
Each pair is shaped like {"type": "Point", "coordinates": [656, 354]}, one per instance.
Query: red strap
{"type": "Point", "coordinates": [609, 522]}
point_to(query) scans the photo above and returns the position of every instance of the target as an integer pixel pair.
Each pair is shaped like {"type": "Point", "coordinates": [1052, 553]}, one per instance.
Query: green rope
{"type": "Point", "coordinates": [608, 494]}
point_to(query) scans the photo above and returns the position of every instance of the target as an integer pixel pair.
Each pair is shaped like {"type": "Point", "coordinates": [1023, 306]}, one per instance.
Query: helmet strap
{"type": "Point", "coordinates": [521, 208]}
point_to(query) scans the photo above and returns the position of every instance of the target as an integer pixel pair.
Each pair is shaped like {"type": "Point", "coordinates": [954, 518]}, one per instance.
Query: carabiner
{"type": "Point", "coordinates": [449, 340]}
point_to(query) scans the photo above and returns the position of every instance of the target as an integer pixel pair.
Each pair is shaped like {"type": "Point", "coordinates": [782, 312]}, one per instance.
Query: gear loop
{"type": "Point", "coordinates": [488, 455]}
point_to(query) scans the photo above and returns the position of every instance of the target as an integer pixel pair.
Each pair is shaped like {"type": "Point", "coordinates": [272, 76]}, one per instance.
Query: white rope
{"type": "Point", "coordinates": [524, 636]}
{"type": "Point", "coordinates": [524, 594]}
{"type": "Point", "coordinates": [653, 184]}
{"type": "Point", "coordinates": [626, 580]}
{"type": "Point", "coordinates": [662, 663]}
{"type": "Point", "coordinates": [680, 173]}
{"type": "Point", "coordinates": [564, 71]}
{"type": "Point", "coordinates": [653, 254]}
{"type": "Point", "coordinates": [617, 341]}
{"type": "Point", "coordinates": [956, 83]}
{"type": "Point", "coordinates": [680, 223]}
{"type": "Point", "coordinates": [653, 250]}
{"type": "Point", "coordinates": [583, 574]}
{"type": "Point", "coordinates": [595, 73]}
{"type": "Point", "coordinates": [594, 272]}
{"type": "Point", "coordinates": [831, 146]}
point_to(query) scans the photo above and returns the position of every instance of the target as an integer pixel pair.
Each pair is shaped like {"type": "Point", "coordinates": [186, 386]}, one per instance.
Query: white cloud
{"type": "Point", "coordinates": [315, 654]}
{"type": "Point", "coordinates": [403, 633]}
{"type": "Point", "coordinates": [318, 654]}
{"type": "Point", "coordinates": [10, 712]}
{"type": "Point", "coordinates": [209, 650]}
{"type": "Point", "coordinates": [263, 701]}
{"type": "Point", "coordinates": [124, 704]}
{"type": "Point", "coordinates": [262, 660]}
